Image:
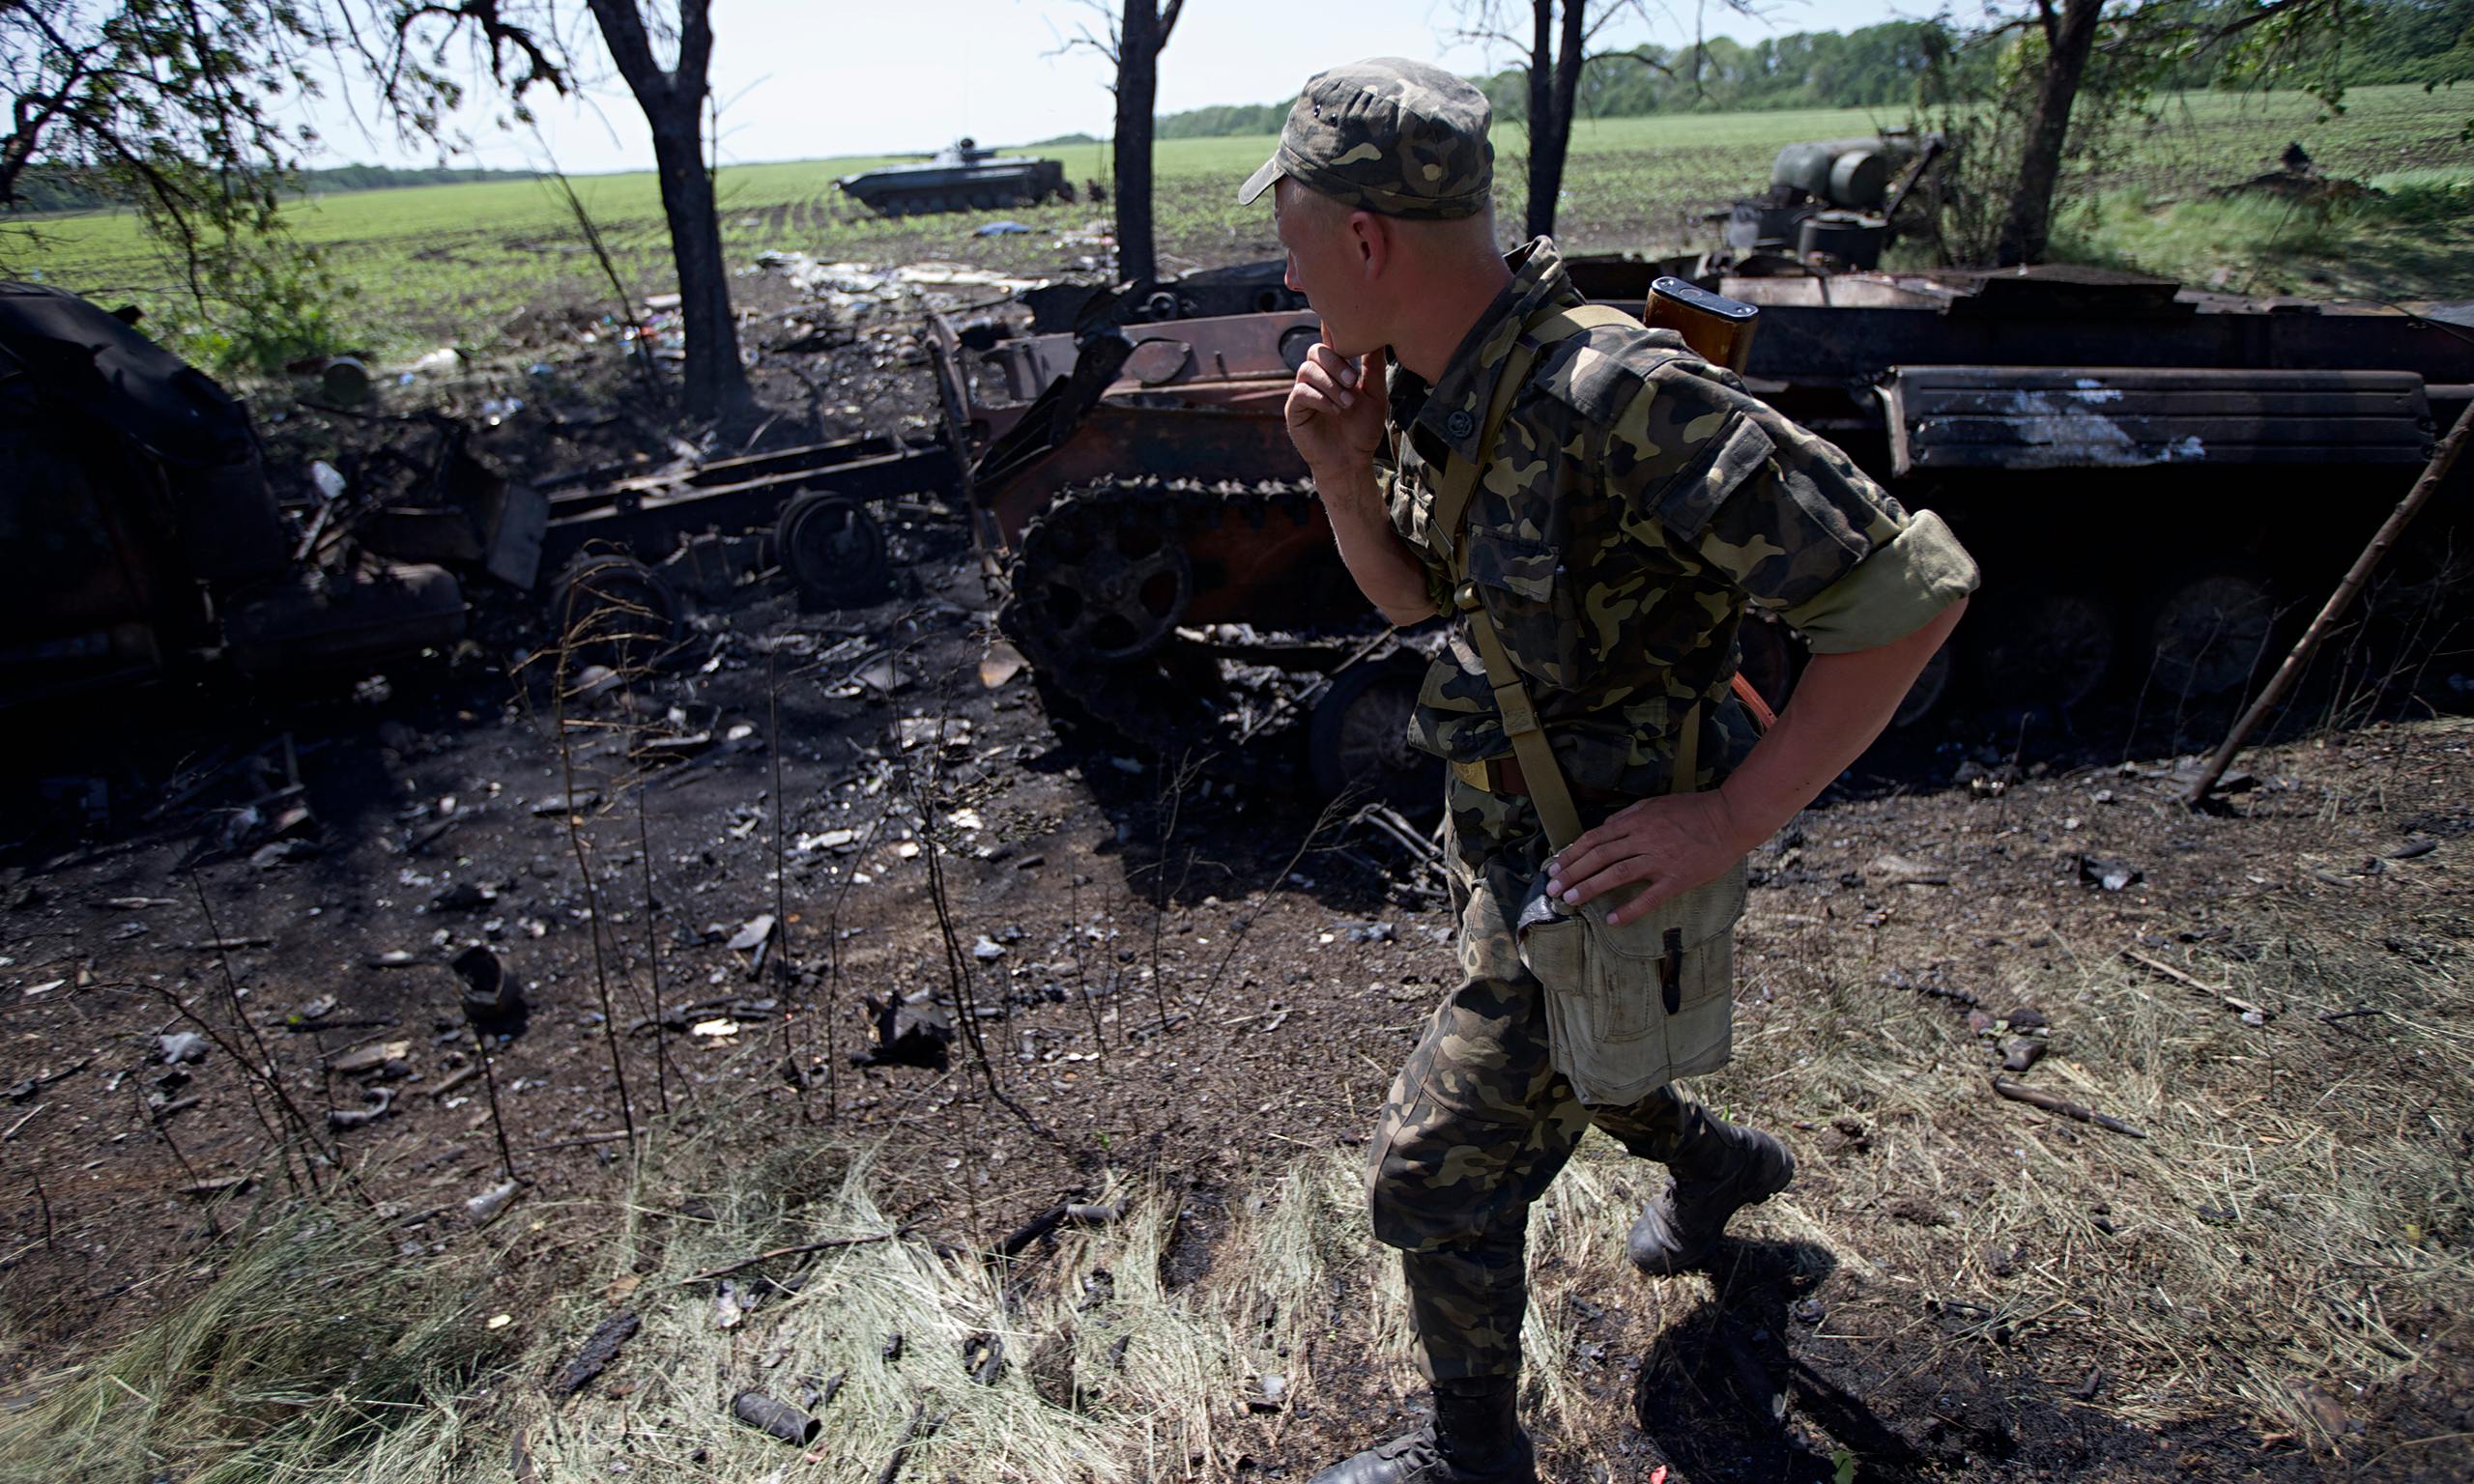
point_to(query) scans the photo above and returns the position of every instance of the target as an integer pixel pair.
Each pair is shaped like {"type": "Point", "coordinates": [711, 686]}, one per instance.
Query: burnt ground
{"type": "Point", "coordinates": [1947, 1294]}
{"type": "Point", "coordinates": [1290, 997]}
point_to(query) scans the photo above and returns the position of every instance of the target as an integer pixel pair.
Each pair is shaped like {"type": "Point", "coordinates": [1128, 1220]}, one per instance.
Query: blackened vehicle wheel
{"type": "Point", "coordinates": [2051, 649]}
{"type": "Point", "coordinates": [1358, 738]}
{"type": "Point", "coordinates": [2211, 635]}
{"type": "Point", "coordinates": [610, 609]}
{"type": "Point", "coordinates": [833, 548]}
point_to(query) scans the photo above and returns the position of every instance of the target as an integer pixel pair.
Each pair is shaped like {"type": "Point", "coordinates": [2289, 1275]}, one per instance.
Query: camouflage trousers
{"type": "Point", "coordinates": [1477, 1123]}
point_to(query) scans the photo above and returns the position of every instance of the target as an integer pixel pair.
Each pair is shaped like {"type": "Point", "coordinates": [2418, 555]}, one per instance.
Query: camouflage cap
{"type": "Point", "coordinates": [1390, 136]}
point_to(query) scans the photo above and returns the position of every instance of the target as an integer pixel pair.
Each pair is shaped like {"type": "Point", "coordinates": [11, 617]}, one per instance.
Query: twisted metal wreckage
{"type": "Point", "coordinates": [2151, 475]}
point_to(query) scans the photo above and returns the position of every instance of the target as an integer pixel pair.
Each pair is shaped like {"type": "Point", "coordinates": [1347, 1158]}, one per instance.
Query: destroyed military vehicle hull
{"type": "Point", "coordinates": [960, 178]}
{"type": "Point", "coordinates": [137, 533]}
{"type": "Point", "coordinates": [2158, 483]}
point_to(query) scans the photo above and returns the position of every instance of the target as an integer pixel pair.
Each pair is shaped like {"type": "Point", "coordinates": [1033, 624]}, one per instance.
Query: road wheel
{"type": "Point", "coordinates": [613, 609]}
{"type": "Point", "coordinates": [1101, 591]}
{"type": "Point", "coordinates": [834, 550]}
{"type": "Point", "coordinates": [1358, 738]}
{"type": "Point", "coordinates": [2055, 649]}
{"type": "Point", "coordinates": [2208, 636]}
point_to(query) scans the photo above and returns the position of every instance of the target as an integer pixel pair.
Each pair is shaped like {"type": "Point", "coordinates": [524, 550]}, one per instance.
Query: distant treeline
{"type": "Point", "coordinates": [40, 190]}
{"type": "Point", "coordinates": [2404, 40]}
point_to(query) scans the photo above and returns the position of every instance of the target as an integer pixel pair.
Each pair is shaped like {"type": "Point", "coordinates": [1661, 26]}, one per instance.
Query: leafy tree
{"type": "Point", "coordinates": [2119, 51]}
{"type": "Point", "coordinates": [179, 106]}
{"type": "Point", "coordinates": [1556, 38]}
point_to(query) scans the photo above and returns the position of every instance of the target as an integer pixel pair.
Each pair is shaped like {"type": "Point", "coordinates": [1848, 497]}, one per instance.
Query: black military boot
{"type": "Point", "coordinates": [1724, 1168]}
{"type": "Point", "coordinates": [1474, 1438]}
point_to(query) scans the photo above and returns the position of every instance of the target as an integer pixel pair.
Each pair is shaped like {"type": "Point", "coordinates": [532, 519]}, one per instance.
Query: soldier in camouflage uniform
{"type": "Point", "coordinates": [1635, 499]}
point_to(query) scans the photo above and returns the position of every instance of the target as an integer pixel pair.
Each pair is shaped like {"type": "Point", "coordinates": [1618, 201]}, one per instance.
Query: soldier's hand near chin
{"type": "Point", "coordinates": [1335, 412]}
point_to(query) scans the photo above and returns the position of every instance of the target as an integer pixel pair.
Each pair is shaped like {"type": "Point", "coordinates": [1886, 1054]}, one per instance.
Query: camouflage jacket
{"type": "Point", "coordinates": [1638, 499]}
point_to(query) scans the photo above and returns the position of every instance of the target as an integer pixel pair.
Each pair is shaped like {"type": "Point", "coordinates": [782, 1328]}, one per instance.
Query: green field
{"type": "Point", "coordinates": [465, 262]}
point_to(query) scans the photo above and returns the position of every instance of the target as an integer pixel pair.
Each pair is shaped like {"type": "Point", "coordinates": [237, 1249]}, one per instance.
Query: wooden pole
{"type": "Point", "coordinates": [2443, 458]}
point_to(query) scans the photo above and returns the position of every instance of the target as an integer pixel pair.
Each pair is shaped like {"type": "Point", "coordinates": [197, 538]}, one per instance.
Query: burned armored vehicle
{"type": "Point", "coordinates": [2157, 480]}
{"type": "Point", "coordinates": [1835, 197]}
{"type": "Point", "coordinates": [961, 177]}
{"type": "Point", "coordinates": [138, 534]}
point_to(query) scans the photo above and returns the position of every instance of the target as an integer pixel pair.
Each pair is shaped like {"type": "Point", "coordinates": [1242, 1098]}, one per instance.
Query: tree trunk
{"type": "Point", "coordinates": [2029, 225]}
{"type": "Point", "coordinates": [1554, 92]}
{"type": "Point", "coordinates": [716, 384]}
{"type": "Point", "coordinates": [673, 99]}
{"type": "Point", "coordinates": [1546, 130]}
{"type": "Point", "coordinates": [1568, 91]}
{"type": "Point", "coordinates": [1139, 42]}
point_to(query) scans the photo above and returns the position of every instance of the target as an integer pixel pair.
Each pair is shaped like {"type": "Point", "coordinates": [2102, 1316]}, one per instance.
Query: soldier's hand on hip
{"type": "Point", "coordinates": [1337, 409]}
{"type": "Point", "coordinates": [1674, 843]}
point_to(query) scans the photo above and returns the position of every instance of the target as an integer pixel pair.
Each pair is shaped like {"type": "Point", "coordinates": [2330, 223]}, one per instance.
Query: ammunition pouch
{"type": "Point", "coordinates": [1632, 1008]}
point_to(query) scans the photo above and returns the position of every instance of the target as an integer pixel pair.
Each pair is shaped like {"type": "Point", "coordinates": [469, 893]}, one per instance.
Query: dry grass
{"type": "Point", "coordinates": [2292, 1234]}
{"type": "Point", "coordinates": [312, 1351]}
{"type": "Point", "coordinates": [1112, 1372]}
{"type": "Point", "coordinates": [2290, 1238]}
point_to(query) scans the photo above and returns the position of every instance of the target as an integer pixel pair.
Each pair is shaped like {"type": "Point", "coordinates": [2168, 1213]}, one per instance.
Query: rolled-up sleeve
{"type": "Point", "coordinates": [1889, 594]}
{"type": "Point", "coordinates": [1784, 516]}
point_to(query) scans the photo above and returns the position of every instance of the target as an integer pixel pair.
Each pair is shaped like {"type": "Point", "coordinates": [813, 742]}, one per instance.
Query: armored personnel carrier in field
{"type": "Point", "coordinates": [961, 177]}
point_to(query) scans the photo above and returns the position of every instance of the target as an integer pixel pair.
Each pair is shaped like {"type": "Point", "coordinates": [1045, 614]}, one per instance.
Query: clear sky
{"type": "Point", "coordinates": [799, 78]}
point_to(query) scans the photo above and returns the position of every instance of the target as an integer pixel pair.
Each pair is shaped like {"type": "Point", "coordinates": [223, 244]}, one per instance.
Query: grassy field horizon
{"type": "Point", "coordinates": [463, 262]}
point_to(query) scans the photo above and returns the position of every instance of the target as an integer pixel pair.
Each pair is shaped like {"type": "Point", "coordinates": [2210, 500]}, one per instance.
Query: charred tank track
{"type": "Point", "coordinates": [1098, 595]}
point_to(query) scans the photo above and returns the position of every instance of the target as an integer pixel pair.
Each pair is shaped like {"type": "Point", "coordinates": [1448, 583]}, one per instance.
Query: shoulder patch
{"type": "Point", "coordinates": [1599, 370]}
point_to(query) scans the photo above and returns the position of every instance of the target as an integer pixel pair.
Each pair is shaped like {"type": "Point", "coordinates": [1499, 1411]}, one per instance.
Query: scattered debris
{"type": "Point", "coordinates": [2112, 875]}
{"type": "Point", "coordinates": [28, 1118]}
{"type": "Point", "coordinates": [984, 1357]}
{"type": "Point", "coordinates": [491, 999]}
{"type": "Point", "coordinates": [356, 1118]}
{"type": "Point", "coordinates": [2053, 1102]}
{"type": "Point", "coordinates": [2021, 1052]}
{"type": "Point", "coordinates": [1001, 663]}
{"type": "Point", "coordinates": [484, 1207]}
{"type": "Point", "coordinates": [599, 1347]}
{"type": "Point", "coordinates": [775, 1419]}
{"type": "Point", "coordinates": [380, 1057]}
{"type": "Point", "coordinates": [180, 1047]}
{"type": "Point", "coordinates": [907, 1032]}
{"type": "Point", "coordinates": [2252, 1014]}
{"type": "Point", "coordinates": [1269, 1395]}
{"type": "Point", "coordinates": [1899, 870]}
{"type": "Point", "coordinates": [951, 732]}
{"type": "Point", "coordinates": [797, 1250]}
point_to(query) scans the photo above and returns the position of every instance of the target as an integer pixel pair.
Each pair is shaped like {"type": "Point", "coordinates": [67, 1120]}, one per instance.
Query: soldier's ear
{"type": "Point", "coordinates": [1372, 235]}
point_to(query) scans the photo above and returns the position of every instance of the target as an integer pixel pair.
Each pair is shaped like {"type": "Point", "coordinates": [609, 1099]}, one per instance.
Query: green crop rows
{"type": "Point", "coordinates": [465, 262]}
